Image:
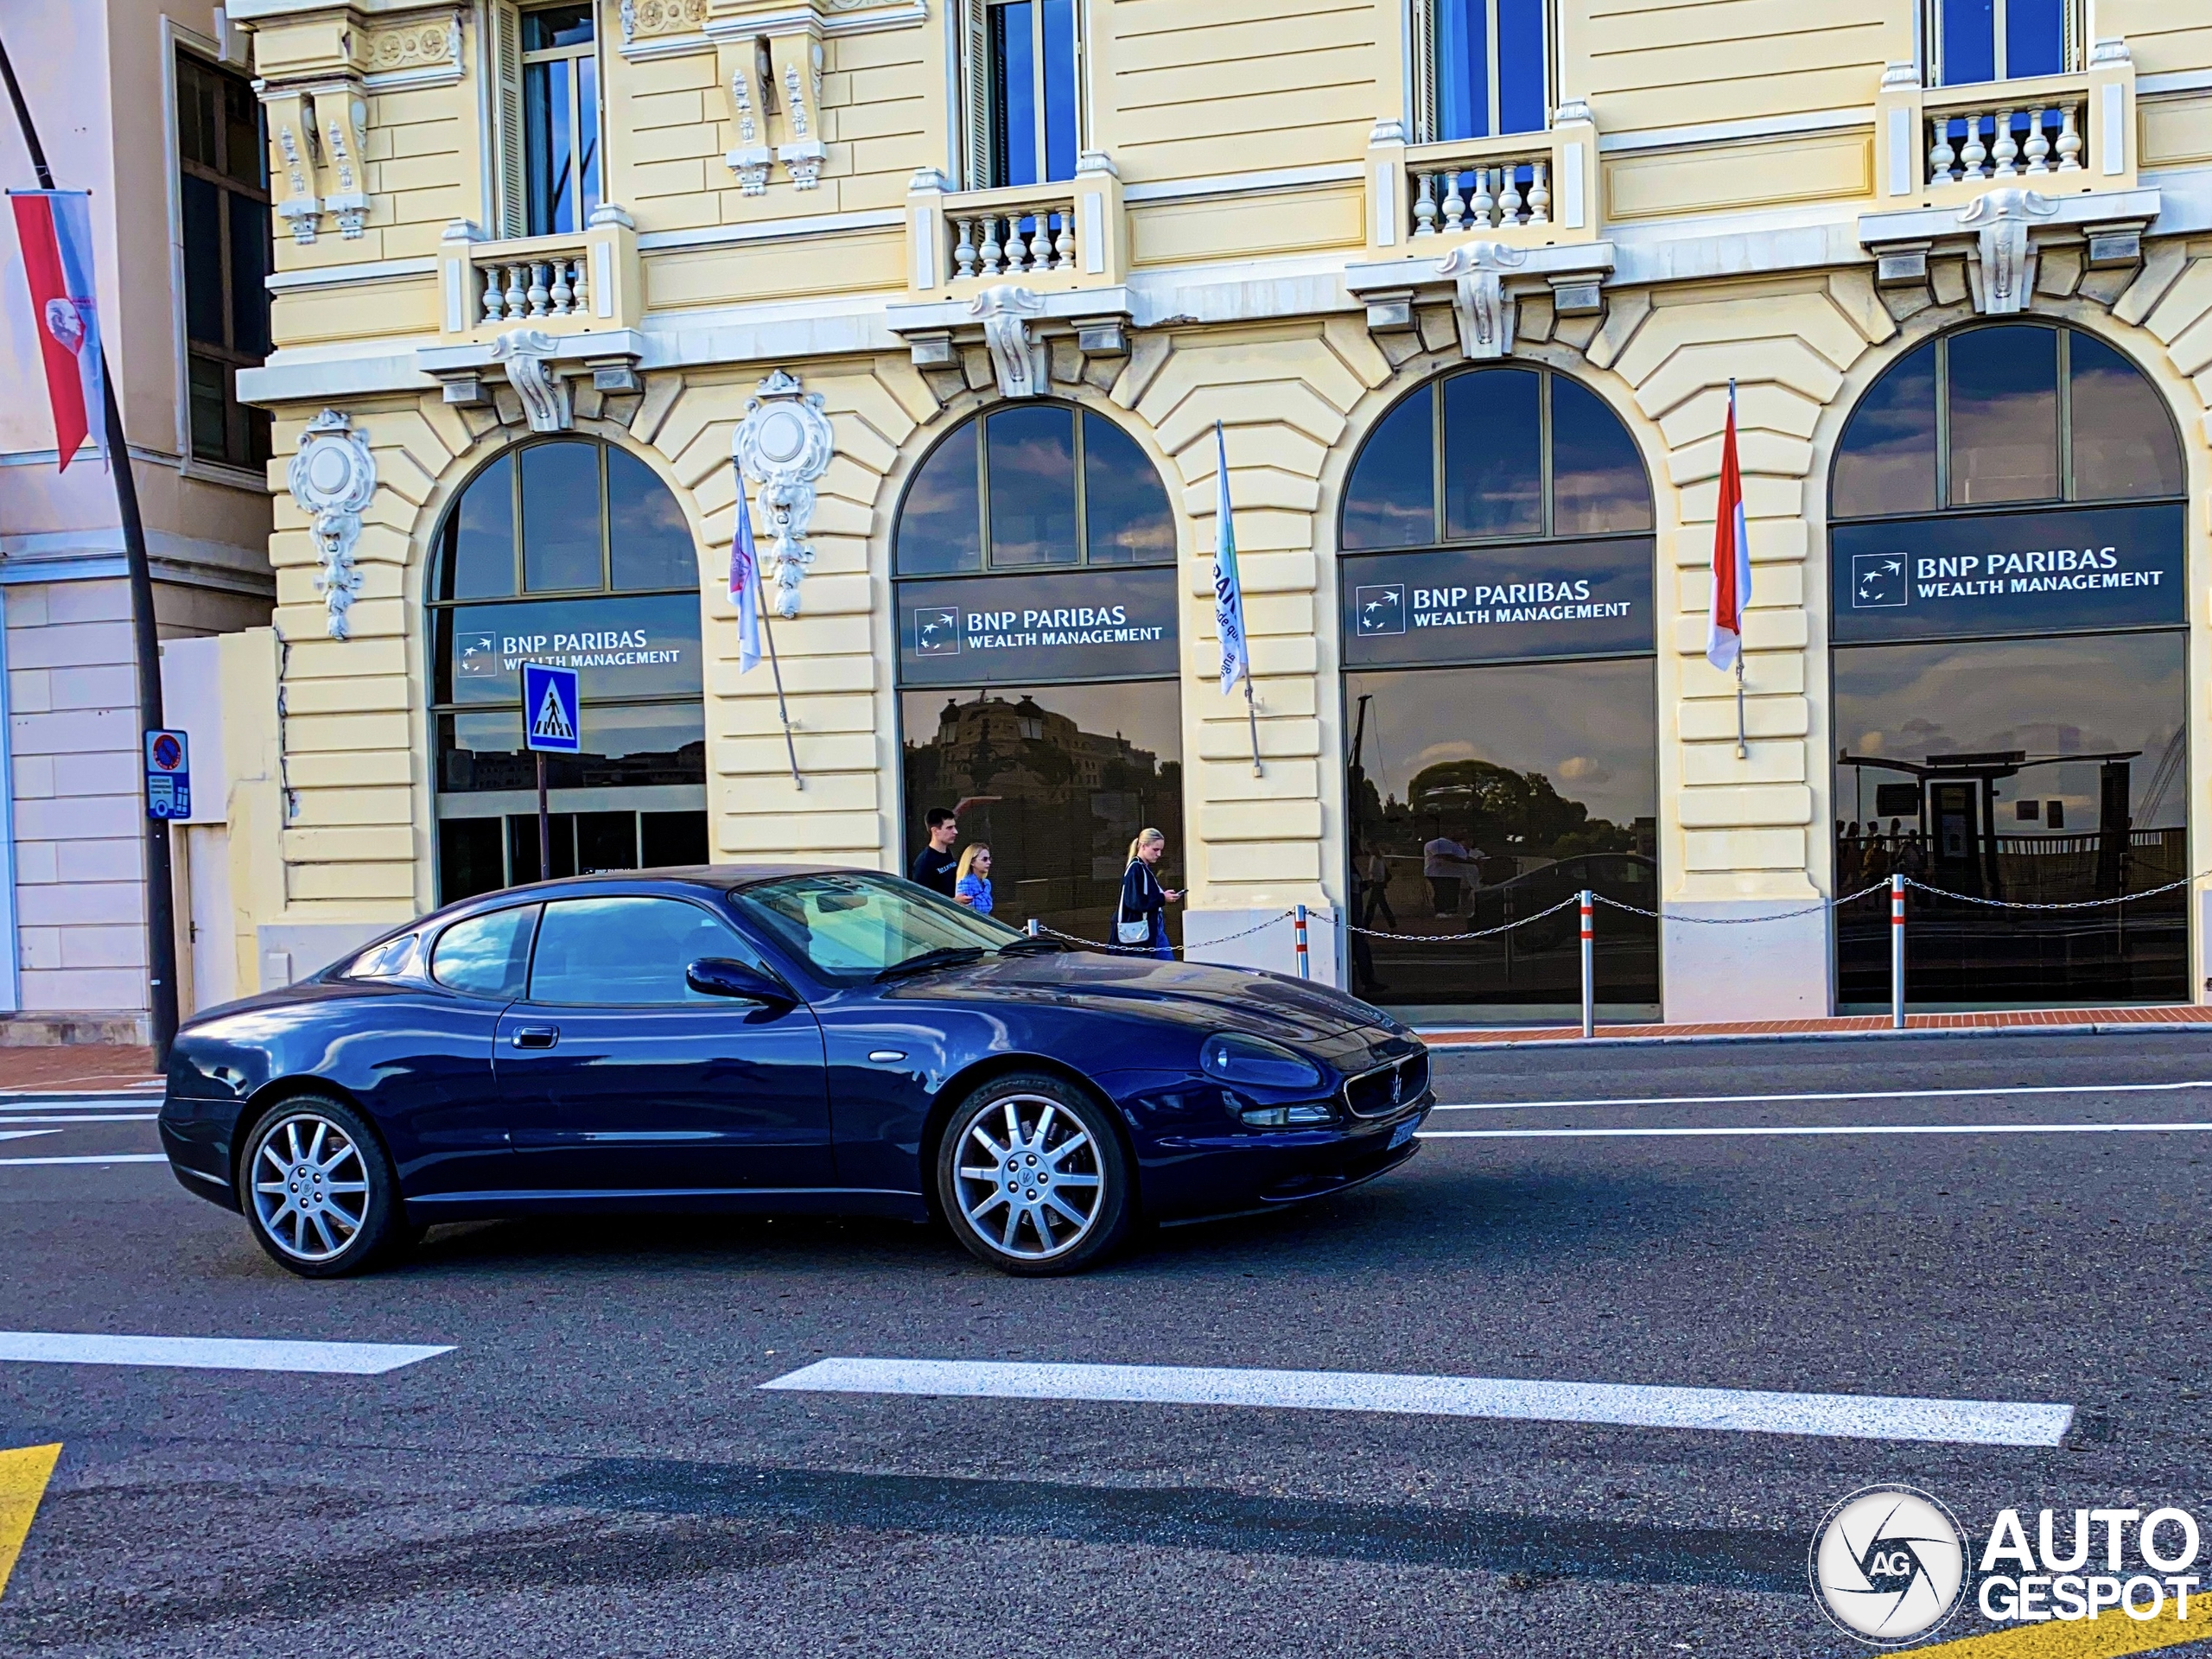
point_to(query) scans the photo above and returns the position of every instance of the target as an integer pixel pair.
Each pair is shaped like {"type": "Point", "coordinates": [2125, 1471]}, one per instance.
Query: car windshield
{"type": "Point", "coordinates": [854, 928]}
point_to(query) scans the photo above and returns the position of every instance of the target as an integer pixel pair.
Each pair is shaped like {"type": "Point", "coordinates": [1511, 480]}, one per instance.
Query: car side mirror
{"type": "Point", "coordinates": [719, 976]}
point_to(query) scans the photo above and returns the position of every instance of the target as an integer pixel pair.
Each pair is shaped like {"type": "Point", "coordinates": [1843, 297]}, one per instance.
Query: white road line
{"type": "Point", "coordinates": [23, 1135]}
{"type": "Point", "coordinates": [86, 1117]}
{"type": "Point", "coordinates": [1822, 1129]}
{"type": "Point", "coordinates": [1856, 1094]}
{"type": "Point", "coordinates": [89, 1157]}
{"type": "Point", "coordinates": [1973, 1422]}
{"type": "Point", "coordinates": [213, 1353]}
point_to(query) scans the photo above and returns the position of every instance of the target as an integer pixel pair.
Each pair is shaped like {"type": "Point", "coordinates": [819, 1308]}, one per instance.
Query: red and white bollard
{"type": "Point", "coordinates": [1305, 960]}
{"type": "Point", "coordinates": [1589, 972]}
{"type": "Point", "coordinates": [1897, 953]}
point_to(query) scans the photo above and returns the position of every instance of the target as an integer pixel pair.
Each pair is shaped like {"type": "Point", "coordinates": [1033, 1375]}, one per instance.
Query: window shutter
{"type": "Point", "coordinates": [975, 112]}
{"type": "Point", "coordinates": [1423, 123]}
{"type": "Point", "coordinates": [509, 191]}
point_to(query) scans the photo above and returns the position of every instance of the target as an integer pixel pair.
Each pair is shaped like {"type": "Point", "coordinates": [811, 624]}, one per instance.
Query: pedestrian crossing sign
{"type": "Point", "coordinates": [551, 719]}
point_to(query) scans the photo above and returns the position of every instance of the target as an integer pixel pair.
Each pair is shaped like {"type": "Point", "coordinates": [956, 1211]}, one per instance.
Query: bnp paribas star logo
{"type": "Point", "coordinates": [1877, 582]}
{"type": "Point", "coordinates": [937, 631]}
{"type": "Point", "coordinates": [1381, 608]}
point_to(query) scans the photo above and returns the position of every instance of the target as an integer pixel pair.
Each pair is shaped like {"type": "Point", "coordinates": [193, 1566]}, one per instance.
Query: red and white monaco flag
{"type": "Point", "coordinates": [1731, 557]}
{"type": "Point", "coordinates": [55, 230]}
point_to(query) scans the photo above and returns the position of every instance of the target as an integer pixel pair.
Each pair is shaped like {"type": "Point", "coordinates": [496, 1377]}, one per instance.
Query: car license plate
{"type": "Point", "coordinates": [1402, 1133]}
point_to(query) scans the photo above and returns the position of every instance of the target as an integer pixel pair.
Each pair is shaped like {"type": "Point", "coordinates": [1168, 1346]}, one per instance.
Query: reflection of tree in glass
{"type": "Point", "coordinates": [1502, 810]}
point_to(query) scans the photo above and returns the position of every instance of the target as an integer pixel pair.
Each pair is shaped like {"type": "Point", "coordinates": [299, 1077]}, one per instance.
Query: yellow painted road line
{"type": "Point", "coordinates": [2100, 1638]}
{"type": "Point", "coordinates": [23, 1474]}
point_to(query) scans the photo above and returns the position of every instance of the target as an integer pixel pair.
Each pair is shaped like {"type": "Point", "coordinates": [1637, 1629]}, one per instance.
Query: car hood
{"type": "Point", "coordinates": [1178, 993]}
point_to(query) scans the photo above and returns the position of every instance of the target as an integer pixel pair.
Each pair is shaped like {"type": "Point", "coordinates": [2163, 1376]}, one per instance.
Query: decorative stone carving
{"type": "Point", "coordinates": [750, 159]}
{"type": "Point", "coordinates": [804, 154]}
{"type": "Point", "coordinates": [1017, 357]}
{"type": "Point", "coordinates": [784, 444]}
{"type": "Point", "coordinates": [300, 209]}
{"type": "Point", "coordinates": [1486, 312]}
{"type": "Point", "coordinates": [2006, 273]}
{"type": "Point", "coordinates": [346, 129]}
{"type": "Point", "coordinates": [661, 17]}
{"type": "Point", "coordinates": [332, 479]}
{"type": "Point", "coordinates": [417, 48]}
{"type": "Point", "coordinates": [528, 355]}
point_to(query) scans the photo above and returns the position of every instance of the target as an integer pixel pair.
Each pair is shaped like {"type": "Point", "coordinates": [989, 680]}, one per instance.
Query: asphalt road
{"type": "Point", "coordinates": [593, 1469]}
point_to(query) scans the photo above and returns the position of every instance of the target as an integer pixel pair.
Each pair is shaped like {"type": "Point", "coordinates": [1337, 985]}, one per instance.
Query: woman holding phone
{"type": "Point", "coordinates": [1141, 920]}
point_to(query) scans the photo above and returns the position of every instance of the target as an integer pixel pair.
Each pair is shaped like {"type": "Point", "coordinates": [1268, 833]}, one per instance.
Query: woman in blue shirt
{"type": "Point", "coordinates": [972, 887]}
{"type": "Point", "coordinates": [1142, 897]}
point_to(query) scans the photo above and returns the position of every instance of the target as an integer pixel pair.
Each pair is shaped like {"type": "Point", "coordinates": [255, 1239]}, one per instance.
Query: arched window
{"type": "Point", "coordinates": [2008, 609]}
{"type": "Point", "coordinates": [1496, 571]}
{"type": "Point", "coordinates": [572, 551]}
{"type": "Point", "coordinates": [1035, 557]}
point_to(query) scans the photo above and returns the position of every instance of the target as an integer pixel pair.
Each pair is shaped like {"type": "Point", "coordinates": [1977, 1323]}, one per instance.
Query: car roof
{"type": "Point", "coordinates": [718, 878]}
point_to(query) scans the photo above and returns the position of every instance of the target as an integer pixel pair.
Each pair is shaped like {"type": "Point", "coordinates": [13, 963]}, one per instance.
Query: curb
{"type": "Point", "coordinates": [1440, 1043]}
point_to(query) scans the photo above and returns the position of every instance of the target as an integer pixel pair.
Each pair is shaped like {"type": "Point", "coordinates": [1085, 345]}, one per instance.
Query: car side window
{"type": "Point", "coordinates": [385, 960]}
{"type": "Point", "coordinates": [486, 955]}
{"type": "Point", "coordinates": [628, 951]}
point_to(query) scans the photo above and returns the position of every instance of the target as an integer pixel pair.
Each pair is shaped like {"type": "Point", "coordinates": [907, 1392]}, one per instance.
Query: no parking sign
{"type": "Point", "coordinates": [169, 775]}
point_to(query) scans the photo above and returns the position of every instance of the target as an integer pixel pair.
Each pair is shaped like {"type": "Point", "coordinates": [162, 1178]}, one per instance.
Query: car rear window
{"type": "Point", "coordinates": [385, 960]}
{"type": "Point", "coordinates": [486, 955]}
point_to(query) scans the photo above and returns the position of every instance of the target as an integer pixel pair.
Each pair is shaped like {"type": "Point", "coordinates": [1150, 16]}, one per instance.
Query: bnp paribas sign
{"type": "Point", "coordinates": [1984, 575]}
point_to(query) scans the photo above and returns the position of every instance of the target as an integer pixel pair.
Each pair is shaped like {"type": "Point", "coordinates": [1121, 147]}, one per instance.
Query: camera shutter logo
{"type": "Point", "coordinates": [1878, 581]}
{"type": "Point", "coordinates": [1888, 1565]}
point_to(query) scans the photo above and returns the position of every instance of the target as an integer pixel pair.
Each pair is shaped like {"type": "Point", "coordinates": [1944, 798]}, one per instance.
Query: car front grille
{"type": "Point", "coordinates": [1385, 1090]}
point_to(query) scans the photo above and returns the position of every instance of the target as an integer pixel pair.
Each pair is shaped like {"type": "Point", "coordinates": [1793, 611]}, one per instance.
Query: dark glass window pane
{"type": "Point", "coordinates": [1077, 770]}
{"type": "Point", "coordinates": [940, 525]}
{"type": "Point", "coordinates": [531, 862]}
{"type": "Point", "coordinates": [1480, 795]}
{"type": "Point", "coordinates": [1969, 41]}
{"type": "Point", "coordinates": [560, 516]}
{"type": "Point", "coordinates": [1598, 479]}
{"type": "Point", "coordinates": [649, 541]}
{"type": "Point", "coordinates": [586, 137]}
{"type": "Point", "coordinates": [469, 858]}
{"type": "Point", "coordinates": [2053, 772]}
{"type": "Point", "coordinates": [2124, 442]}
{"type": "Point", "coordinates": [547, 143]}
{"type": "Point", "coordinates": [555, 26]}
{"type": "Point", "coordinates": [203, 261]}
{"type": "Point", "coordinates": [1060, 88]}
{"type": "Point", "coordinates": [674, 839]}
{"type": "Point", "coordinates": [1887, 463]}
{"type": "Point", "coordinates": [486, 955]}
{"type": "Point", "coordinates": [648, 745]}
{"type": "Point", "coordinates": [630, 951]}
{"type": "Point", "coordinates": [1390, 501]}
{"type": "Point", "coordinates": [1126, 512]}
{"type": "Point", "coordinates": [1462, 68]}
{"type": "Point", "coordinates": [606, 841]}
{"type": "Point", "coordinates": [480, 562]}
{"type": "Point", "coordinates": [1013, 72]}
{"type": "Point", "coordinates": [245, 156]}
{"type": "Point", "coordinates": [208, 385]}
{"type": "Point", "coordinates": [2004, 416]}
{"type": "Point", "coordinates": [1493, 455]}
{"type": "Point", "coordinates": [248, 266]}
{"type": "Point", "coordinates": [1520, 86]}
{"type": "Point", "coordinates": [198, 95]}
{"type": "Point", "coordinates": [1031, 462]}
{"type": "Point", "coordinates": [2035, 37]}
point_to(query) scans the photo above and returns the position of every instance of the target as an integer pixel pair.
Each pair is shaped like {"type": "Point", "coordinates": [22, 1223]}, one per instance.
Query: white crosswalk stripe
{"type": "Point", "coordinates": [213, 1353]}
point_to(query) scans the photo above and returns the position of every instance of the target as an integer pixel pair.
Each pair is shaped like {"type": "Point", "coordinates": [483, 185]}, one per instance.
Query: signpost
{"type": "Point", "coordinates": [169, 775]}
{"type": "Point", "coordinates": [552, 724]}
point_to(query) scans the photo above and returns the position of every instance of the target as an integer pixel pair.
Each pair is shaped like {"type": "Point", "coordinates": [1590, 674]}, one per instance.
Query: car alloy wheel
{"type": "Point", "coordinates": [1032, 1177]}
{"type": "Point", "coordinates": [319, 1189]}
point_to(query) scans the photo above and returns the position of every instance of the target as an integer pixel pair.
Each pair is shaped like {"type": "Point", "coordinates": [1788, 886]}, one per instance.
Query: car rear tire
{"type": "Point", "coordinates": [319, 1191]}
{"type": "Point", "coordinates": [1031, 1177]}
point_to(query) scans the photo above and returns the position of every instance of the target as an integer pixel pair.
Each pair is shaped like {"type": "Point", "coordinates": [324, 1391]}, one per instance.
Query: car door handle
{"type": "Point", "coordinates": [537, 1036]}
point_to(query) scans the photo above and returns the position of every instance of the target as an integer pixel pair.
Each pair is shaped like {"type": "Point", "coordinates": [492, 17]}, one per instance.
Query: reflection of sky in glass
{"type": "Point", "coordinates": [2123, 439]}
{"type": "Point", "coordinates": [1887, 463]}
{"type": "Point", "coordinates": [560, 516]}
{"type": "Point", "coordinates": [483, 562]}
{"type": "Point", "coordinates": [649, 541]}
{"type": "Point", "coordinates": [2004, 416]}
{"type": "Point", "coordinates": [1060, 85]}
{"type": "Point", "coordinates": [1128, 519]}
{"type": "Point", "coordinates": [1598, 481]}
{"type": "Point", "coordinates": [2087, 694]}
{"type": "Point", "coordinates": [1031, 466]}
{"type": "Point", "coordinates": [1389, 501]}
{"type": "Point", "coordinates": [1017, 92]}
{"type": "Point", "coordinates": [1493, 468]}
{"type": "Point", "coordinates": [1462, 68]}
{"type": "Point", "coordinates": [1588, 727]}
{"type": "Point", "coordinates": [939, 527]}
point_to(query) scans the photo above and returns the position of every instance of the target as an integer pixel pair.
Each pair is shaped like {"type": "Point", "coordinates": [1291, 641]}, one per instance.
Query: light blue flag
{"type": "Point", "coordinates": [1228, 592]}
{"type": "Point", "coordinates": [745, 584]}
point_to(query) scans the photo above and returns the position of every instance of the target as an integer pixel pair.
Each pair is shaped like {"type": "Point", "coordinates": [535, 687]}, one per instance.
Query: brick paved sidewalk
{"type": "Point", "coordinates": [2003, 1020]}
{"type": "Point", "coordinates": [74, 1068]}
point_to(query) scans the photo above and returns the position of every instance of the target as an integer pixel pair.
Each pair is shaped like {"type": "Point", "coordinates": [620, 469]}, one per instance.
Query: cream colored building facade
{"type": "Point", "coordinates": [1259, 235]}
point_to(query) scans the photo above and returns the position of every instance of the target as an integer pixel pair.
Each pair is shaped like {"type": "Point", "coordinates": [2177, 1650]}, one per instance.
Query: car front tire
{"type": "Point", "coordinates": [1031, 1177]}
{"type": "Point", "coordinates": [319, 1191]}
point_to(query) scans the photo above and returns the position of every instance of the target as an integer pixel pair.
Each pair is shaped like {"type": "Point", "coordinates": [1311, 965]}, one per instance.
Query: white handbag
{"type": "Point", "coordinates": [1136, 932]}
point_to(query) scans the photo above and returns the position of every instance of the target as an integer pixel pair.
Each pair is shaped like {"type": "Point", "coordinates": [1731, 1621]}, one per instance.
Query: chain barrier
{"type": "Point", "coordinates": [1146, 949]}
{"type": "Point", "coordinates": [2078, 904]}
{"type": "Point", "coordinates": [1740, 921]}
{"type": "Point", "coordinates": [1443, 938]}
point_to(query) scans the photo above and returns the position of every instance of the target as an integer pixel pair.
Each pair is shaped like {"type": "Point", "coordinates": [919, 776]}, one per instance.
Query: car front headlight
{"type": "Point", "coordinates": [1255, 1063]}
{"type": "Point", "coordinates": [1288, 1117]}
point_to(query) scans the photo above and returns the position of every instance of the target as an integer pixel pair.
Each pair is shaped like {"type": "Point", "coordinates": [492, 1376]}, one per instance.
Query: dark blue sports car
{"type": "Point", "coordinates": [775, 1038]}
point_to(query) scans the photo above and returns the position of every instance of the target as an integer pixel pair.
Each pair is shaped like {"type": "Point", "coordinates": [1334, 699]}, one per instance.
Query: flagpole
{"type": "Point", "coordinates": [1742, 750]}
{"type": "Point", "coordinates": [775, 668]}
{"type": "Point", "coordinates": [1252, 718]}
{"type": "Point", "coordinates": [161, 915]}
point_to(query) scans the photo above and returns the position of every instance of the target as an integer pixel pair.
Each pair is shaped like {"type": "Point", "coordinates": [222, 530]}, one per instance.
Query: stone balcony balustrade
{"type": "Point", "coordinates": [1048, 238]}
{"type": "Point", "coordinates": [565, 284]}
{"type": "Point", "coordinates": [1531, 190]}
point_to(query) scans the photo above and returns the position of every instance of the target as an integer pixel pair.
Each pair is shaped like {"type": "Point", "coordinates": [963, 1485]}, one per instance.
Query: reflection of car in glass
{"type": "Point", "coordinates": [780, 1040]}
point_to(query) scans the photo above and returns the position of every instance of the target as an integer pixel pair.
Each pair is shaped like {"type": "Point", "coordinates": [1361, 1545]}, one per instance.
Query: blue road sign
{"type": "Point", "coordinates": [551, 719]}
{"type": "Point", "coordinates": [169, 775]}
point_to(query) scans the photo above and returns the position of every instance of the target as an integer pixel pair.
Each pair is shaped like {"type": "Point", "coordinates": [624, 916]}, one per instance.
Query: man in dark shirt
{"type": "Point", "coordinates": [937, 864]}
